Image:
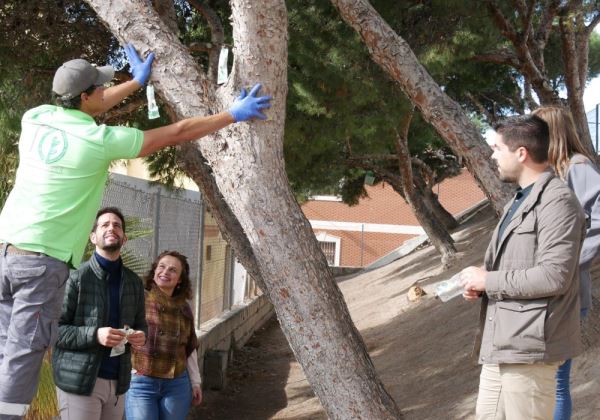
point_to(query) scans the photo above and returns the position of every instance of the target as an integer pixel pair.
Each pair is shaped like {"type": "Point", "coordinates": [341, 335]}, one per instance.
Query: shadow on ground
{"type": "Point", "coordinates": [256, 380]}
{"type": "Point", "coordinates": [421, 350]}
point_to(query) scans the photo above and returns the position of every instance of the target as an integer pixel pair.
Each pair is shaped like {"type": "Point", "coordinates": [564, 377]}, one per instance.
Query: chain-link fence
{"type": "Point", "coordinates": [160, 219]}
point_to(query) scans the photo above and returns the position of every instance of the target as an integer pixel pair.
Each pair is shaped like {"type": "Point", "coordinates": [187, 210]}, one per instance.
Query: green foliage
{"type": "Point", "coordinates": [340, 103]}
{"type": "Point", "coordinates": [594, 56]}
{"type": "Point", "coordinates": [35, 38]}
{"type": "Point", "coordinates": [353, 189]}
{"type": "Point", "coordinates": [9, 134]}
{"type": "Point", "coordinates": [194, 28]}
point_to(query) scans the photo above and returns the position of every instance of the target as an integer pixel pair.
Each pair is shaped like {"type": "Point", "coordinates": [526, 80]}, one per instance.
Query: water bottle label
{"type": "Point", "coordinates": [152, 107]}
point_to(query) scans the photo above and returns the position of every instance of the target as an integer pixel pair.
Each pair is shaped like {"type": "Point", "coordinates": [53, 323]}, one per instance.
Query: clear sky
{"type": "Point", "coordinates": [591, 97]}
{"type": "Point", "coordinates": [591, 94]}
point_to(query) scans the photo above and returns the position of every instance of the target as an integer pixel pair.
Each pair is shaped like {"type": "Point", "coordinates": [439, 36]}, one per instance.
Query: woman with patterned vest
{"type": "Point", "coordinates": [165, 379]}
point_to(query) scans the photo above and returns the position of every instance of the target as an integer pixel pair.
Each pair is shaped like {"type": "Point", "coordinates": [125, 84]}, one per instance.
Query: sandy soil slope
{"type": "Point", "coordinates": [420, 349]}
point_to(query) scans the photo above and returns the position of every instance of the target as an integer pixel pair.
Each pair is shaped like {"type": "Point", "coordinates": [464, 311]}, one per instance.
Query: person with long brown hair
{"type": "Point", "coordinates": [574, 164]}
{"type": "Point", "coordinates": [165, 379]}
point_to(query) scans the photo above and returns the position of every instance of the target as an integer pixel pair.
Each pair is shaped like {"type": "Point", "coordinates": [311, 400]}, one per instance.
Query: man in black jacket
{"type": "Point", "coordinates": [103, 307]}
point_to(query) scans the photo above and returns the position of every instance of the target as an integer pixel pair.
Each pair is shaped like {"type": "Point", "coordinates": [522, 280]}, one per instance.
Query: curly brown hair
{"type": "Point", "coordinates": [183, 288]}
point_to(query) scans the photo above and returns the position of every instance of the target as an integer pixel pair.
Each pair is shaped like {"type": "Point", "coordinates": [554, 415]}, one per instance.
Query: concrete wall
{"type": "Point", "coordinates": [220, 336]}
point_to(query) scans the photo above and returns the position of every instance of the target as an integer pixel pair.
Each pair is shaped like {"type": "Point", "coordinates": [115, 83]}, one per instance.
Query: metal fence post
{"type": "Point", "coordinates": [156, 221]}
{"type": "Point", "coordinates": [198, 296]}
{"type": "Point", "coordinates": [362, 243]}
{"type": "Point", "coordinates": [597, 123]}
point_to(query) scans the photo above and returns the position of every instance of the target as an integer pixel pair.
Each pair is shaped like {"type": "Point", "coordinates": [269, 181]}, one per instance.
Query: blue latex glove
{"type": "Point", "coordinates": [139, 69]}
{"type": "Point", "coordinates": [247, 107]}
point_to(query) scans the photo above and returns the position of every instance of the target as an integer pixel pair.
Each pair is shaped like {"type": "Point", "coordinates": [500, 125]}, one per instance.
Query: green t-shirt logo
{"type": "Point", "coordinates": [53, 146]}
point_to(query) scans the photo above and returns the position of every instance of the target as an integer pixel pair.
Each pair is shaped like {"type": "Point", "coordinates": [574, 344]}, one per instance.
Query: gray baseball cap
{"type": "Point", "coordinates": [75, 76]}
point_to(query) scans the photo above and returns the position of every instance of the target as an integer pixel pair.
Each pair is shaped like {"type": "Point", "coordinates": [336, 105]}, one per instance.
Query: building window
{"type": "Point", "coordinates": [330, 245]}
{"type": "Point", "coordinates": [328, 249]}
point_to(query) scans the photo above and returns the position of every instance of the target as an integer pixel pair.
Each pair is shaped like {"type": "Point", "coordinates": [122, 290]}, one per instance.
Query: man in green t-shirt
{"type": "Point", "coordinates": [63, 166]}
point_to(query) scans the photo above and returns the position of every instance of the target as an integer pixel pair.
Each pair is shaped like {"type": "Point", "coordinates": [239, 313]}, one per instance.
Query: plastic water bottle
{"type": "Point", "coordinates": [152, 107]}
{"type": "Point", "coordinates": [449, 289]}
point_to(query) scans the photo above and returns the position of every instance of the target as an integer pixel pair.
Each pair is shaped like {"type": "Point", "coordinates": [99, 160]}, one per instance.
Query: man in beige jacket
{"type": "Point", "coordinates": [529, 320]}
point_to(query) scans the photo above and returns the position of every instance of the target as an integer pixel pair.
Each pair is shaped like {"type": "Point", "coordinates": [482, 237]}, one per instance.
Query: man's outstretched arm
{"type": "Point", "coordinates": [245, 107]}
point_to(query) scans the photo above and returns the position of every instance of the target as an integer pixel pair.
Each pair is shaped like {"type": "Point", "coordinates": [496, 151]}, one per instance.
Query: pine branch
{"type": "Point", "coordinates": [592, 25]}
{"type": "Point", "coordinates": [502, 56]}
{"type": "Point", "coordinates": [502, 22]}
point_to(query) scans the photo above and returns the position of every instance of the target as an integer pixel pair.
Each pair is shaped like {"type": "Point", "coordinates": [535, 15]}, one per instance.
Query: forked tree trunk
{"type": "Point", "coordinates": [395, 57]}
{"type": "Point", "coordinates": [433, 203]}
{"type": "Point", "coordinates": [575, 49]}
{"type": "Point", "coordinates": [423, 180]}
{"type": "Point", "coordinates": [436, 232]}
{"type": "Point", "coordinates": [261, 217]}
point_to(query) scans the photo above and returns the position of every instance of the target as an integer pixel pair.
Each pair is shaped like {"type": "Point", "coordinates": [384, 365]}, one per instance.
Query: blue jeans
{"type": "Point", "coordinates": [152, 398]}
{"type": "Point", "coordinates": [564, 405]}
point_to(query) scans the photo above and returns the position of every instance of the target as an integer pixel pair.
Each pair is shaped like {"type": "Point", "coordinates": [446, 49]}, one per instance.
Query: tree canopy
{"type": "Point", "coordinates": [339, 103]}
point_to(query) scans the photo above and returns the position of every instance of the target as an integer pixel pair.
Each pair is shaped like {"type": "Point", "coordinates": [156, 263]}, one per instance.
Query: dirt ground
{"type": "Point", "coordinates": [420, 349]}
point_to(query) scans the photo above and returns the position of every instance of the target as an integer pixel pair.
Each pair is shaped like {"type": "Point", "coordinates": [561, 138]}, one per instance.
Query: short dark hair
{"type": "Point", "coordinates": [183, 288]}
{"type": "Point", "coordinates": [112, 210]}
{"type": "Point", "coordinates": [526, 131]}
{"type": "Point", "coordinates": [74, 102]}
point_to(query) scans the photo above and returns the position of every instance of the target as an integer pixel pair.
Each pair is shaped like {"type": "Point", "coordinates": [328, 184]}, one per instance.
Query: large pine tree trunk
{"type": "Point", "coordinates": [261, 217]}
{"type": "Point", "coordinates": [394, 55]}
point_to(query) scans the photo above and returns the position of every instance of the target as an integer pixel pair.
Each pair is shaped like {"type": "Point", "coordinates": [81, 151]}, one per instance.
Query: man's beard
{"type": "Point", "coordinates": [112, 247]}
{"type": "Point", "coordinates": [115, 246]}
{"type": "Point", "coordinates": [504, 177]}
{"type": "Point", "coordinates": [507, 180]}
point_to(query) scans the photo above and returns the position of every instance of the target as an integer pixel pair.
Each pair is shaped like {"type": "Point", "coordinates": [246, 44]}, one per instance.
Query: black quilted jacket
{"type": "Point", "coordinates": [77, 354]}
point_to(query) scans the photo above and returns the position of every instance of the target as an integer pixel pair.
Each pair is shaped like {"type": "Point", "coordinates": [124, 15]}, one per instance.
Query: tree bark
{"type": "Point", "coordinates": [424, 179]}
{"type": "Point", "coordinates": [166, 11]}
{"type": "Point", "coordinates": [394, 55]}
{"type": "Point", "coordinates": [439, 237]}
{"type": "Point", "coordinates": [575, 49]}
{"type": "Point", "coordinates": [246, 163]}
{"type": "Point", "coordinates": [425, 211]}
{"type": "Point", "coordinates": [433, 203]}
